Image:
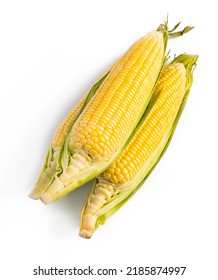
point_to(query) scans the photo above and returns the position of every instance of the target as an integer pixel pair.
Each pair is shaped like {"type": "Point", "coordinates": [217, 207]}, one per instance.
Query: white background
{"type": "Point", "coordinates": [51, 52]}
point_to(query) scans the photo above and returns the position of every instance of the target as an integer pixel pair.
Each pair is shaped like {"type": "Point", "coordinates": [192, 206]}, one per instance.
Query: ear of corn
{"type": "Point", "coordinates": [107, 123]}
{"type": "Point", "coordinates": [50, 163]}
{"type": "Point", "coordinates": [124, 177]}
{"type": "Point", "coordinates": [100, 133]}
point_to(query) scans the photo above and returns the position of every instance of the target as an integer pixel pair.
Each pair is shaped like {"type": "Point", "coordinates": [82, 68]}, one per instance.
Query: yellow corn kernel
{"type": "Point", "coordinates": [65, 126]}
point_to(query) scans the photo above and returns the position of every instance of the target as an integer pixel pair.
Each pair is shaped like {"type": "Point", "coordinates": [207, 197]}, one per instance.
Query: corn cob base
{"type": "Point", "coordinates": [81, 168]}
{"type": "Point", "coordinates": [47, 173]}
{"type": "Point", "coordinates": [78, 162]}
{"type": "Point", "coordinates": [106, 197]}
{"type": "Point", "coordinates": [101, 194]}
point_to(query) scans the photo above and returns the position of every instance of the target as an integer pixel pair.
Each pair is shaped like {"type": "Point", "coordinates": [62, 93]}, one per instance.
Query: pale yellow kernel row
{"type": "Point", "coordinates": [66, 124]}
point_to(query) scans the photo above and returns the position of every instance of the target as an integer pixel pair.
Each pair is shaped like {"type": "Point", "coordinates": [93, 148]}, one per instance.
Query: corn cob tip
{"type": "Point", "coordinates": [86, 233]}
{"type": "Point", "coordinates": [38, 188]}
{"type": "Point", "coordinates": [46, 198]}
{"type": "Point", "coordinates": [32, 195]}
{"type": "Point", "coordinates": [52, 195]}
{"type": "Point", "coordinates": [88, 224]}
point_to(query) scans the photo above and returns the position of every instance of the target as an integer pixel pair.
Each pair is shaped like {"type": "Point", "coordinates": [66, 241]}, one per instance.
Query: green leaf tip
{"type": "Point", "coordinates": [180, 33]}
{"type": "Point", "coordinates": [172, 32]}
{"type": "Point", "coordinates": [188, 60]}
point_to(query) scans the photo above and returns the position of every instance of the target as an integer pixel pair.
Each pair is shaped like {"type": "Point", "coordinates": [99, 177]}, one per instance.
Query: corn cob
{"type": "Point", "coordinates": [91, 143]}
{"type": "Point", "coordinates": [123, 178]}
{"type": "Point", "coordinates": [102, 130]}
{"type": "Point", "coordinates": [50, 163]}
